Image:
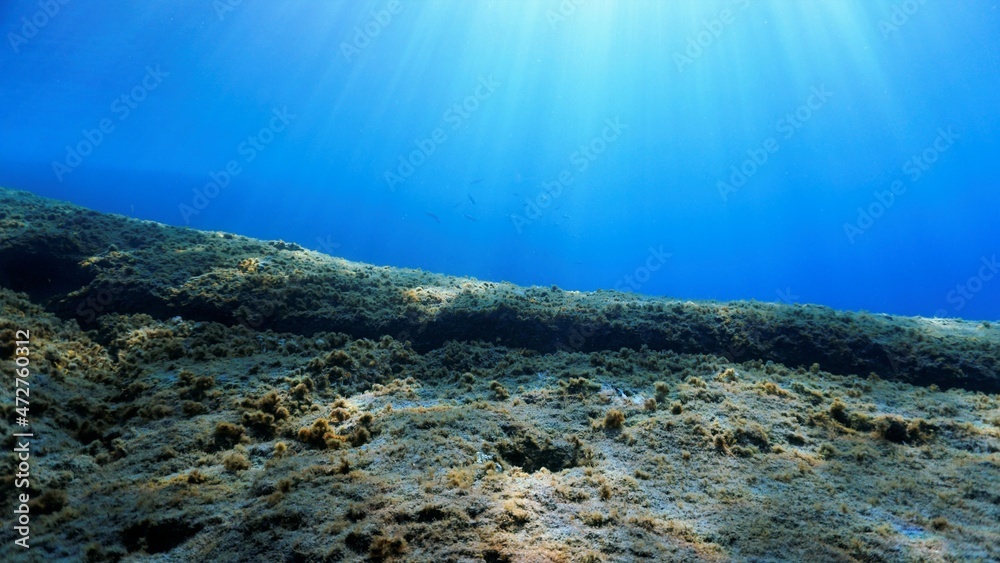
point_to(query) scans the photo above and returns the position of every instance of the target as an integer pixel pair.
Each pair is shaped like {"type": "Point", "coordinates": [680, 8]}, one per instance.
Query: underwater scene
{"type": "Point", "coordinates": [500, 280]}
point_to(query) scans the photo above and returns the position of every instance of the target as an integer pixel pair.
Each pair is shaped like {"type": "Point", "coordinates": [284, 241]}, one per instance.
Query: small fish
{"type": "Point", "coordinates": [470, 217]}
{"type": "Point", "coordinates": [457, 204]}
{"type": "Point", "coordinates": [476, 181]}
{"type": "Point", "coordinates": [516, 194]}
{"type": "Point", "coordinates": [432, 216]}
{"type": "Point", "coordinates": [472, 200]}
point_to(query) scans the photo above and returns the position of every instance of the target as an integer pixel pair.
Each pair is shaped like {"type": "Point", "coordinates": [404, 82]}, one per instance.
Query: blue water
{"type": "Point", "coordinates": [592, 144]}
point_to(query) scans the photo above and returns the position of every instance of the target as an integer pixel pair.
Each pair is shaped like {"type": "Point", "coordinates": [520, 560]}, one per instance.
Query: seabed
{"type": "Point", "coordinates": [203, 396]}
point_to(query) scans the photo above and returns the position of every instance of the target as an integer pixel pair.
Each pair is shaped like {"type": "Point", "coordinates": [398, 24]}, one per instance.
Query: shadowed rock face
{"type": "Point", "coordinates": [531, 453]}
{"type": "Point", "coordinates": [80, 265]}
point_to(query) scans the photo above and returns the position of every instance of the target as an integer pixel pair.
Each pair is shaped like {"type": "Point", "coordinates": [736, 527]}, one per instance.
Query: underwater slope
{"type": "Point", "coordinates": [80, 264]}
{"type": "Point", "coordinates": [203, 396]}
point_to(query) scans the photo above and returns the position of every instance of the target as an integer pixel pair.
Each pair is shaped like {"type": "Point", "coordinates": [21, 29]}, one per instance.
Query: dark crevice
{"type": "Point", "coordinates": [43, 276]}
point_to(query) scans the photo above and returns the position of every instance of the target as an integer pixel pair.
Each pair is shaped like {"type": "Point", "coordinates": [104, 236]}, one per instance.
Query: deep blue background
{"type": "Point", "coordinates": [321, 181]}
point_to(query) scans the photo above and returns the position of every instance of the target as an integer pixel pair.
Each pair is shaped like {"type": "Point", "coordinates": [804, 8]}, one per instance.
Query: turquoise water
{"type": "Point", "coordinates": [837, 152]}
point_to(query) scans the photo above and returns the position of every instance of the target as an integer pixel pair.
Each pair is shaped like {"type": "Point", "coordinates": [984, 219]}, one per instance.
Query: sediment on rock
{"type": "Point", "coordinates": [81, 264]}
